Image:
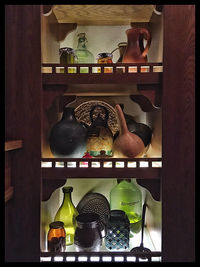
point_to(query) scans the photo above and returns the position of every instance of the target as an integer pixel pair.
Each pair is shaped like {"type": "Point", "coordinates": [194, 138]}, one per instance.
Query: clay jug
{"type": "Point", "coordinates": [135, 51]}
{"type": "Point", "coordinates": [127, 144]}
{"type": "Point", "coordinates": [140, 129]}
{"type": "Point", "coordinates": [68, 136]}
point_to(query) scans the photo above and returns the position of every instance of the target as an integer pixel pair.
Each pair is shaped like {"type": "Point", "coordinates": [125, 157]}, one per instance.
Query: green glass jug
{"type": "Point", "coordinates": [82, 53]}
{"type": "Point", "coordinates": [126, 196]}
{"type": "Point", "coordinates": [67, 214]}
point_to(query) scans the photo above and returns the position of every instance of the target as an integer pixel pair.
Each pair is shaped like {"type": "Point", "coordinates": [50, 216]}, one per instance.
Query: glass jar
{"type": "Point", "coordinates": [117, 231]}
{"type": "Point", "coordinates": [56, 237]}
{"type": "Point", "coordinates": [88, 232]}
{"type": "Point", "coordinates": [67, 56]}
{"type": "Point", "coordinates": [105, 58]}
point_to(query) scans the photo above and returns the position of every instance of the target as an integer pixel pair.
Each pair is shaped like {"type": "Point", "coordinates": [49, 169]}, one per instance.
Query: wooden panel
{"type": "Point", "coordinates": [22, 117]}
{"type": "Point", "coordinates": [13, 144]}
{"type": "Point", "coordinates": [178, 176]}
{"type": "Point", "coordinates": [49, 39]}
{"type": "Point", "coordinates": [103, 14]}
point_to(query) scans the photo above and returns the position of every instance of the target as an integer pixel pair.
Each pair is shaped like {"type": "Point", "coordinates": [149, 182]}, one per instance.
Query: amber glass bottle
{"type": "Point", "coordinates": [56, 237]}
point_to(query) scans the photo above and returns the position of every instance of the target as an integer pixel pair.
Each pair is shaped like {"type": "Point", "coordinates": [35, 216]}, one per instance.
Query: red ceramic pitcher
{"type": "Point", "coordinates": [135, 51]}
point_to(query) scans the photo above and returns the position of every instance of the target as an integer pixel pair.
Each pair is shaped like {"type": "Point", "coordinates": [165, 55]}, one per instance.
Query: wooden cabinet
{"type": "Point", "coordinates": [29, 91]}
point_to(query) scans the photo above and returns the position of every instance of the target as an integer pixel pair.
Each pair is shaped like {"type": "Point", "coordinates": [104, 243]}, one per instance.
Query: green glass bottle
{"type": "Point", "coordinates": [67, 214]}
{"type": "Point", "coordinates": [82, 53]}
{"type": "Point", "coordinates": [126, 196]}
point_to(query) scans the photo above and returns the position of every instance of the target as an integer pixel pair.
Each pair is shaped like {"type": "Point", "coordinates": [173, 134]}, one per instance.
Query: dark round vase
{"type": "Point", "coordinates": [68, 136]}
{"type": "Point", "coordinates": [87, 235]}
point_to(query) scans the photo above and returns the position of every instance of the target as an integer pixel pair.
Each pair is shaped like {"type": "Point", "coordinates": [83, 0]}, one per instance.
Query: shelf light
{"type": "Point", "coordinates": [130, 258]}
{"type": "Point", "coordinates": [131, 164]}
{"type": "Point", "coordinates": [46, 69]}
{"type": "Point", "coordinates": [95, 164]}
{"type": "Point", "coordinates": [59, 164]}
{"type": "Point", "coordinates": [58, 258]}
{"type": "Point", "coordinates": [107, 258]}
{"type": "Point", "coordinates": [83, 164]}
{"type": "Point", "coordinates": [144, 164]}
{"type": "Point", "coordinates": [156, 164]}
{"type": "Point", "coordinates": [119, 164]}
{"type": "Point", "coordinates": [144, 69]}
{"type": "Point", "coordinates": [71, 70]}
{"type": "Point", "coordinates": [46, 164]}
{"type": "Point", "coordinates": [82, 258]}
{"type": "Point", "coordinates": [60, 69]}
{"type": "Point", "coordinates": [43, 259]}
{"type": "Point", "coordinates": [94, 258]}
{"type": "Point", "coordinates": [71, 164]}
{"type": "Point", "coordinates": [71, 259]}
{"type": "Point", "coordinates": [107, 164]}
{"type": "Point", "coordinates": [84, 70]}
{"type": "Point", "coordinates": [157, 68]}
{"type": "Point", "coordinates": [119, 259]}
{"type": "Point", "coordinates": [132, 69]}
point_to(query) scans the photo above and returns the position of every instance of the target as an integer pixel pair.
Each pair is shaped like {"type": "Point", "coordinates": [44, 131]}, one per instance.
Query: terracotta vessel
{"type": "Point", "coordinates": [135, 51]}
{"type": "Point", "coordinates": [127, 144]}
{"type": "Point", "coordinates": [140, 129]}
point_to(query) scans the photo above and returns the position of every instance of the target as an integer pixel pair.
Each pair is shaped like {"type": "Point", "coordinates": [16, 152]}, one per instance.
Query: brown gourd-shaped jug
{"type": "Point", "coordinates": [135, 51]}
{"type": "Point", "coordinates": [126, 144]}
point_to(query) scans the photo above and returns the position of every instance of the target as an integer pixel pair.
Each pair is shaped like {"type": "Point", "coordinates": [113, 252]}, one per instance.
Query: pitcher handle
{"type": "Point", "coordinates": [148, 37]}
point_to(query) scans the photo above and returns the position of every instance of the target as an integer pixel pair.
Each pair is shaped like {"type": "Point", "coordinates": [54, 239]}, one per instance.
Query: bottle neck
{"type": "Point", "coordinates": [81, 44]}
{"type": "Point", "coordinates": [126, 179]}
{"type": "Point", "coordinates": [67, 198]}
{"type": "Point", "coordinates": [68, 114]}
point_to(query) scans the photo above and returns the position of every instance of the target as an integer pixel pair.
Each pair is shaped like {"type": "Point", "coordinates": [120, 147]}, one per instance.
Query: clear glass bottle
{"type": "Point", "coordinates": [82, 53]}
{"type": "Point", "coordinates": [67, 214]}
{"type": "Point", "coordinates": [126, 196]}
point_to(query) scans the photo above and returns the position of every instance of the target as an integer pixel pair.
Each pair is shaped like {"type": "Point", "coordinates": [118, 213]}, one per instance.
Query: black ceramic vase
{"type": "Point", "coordinates": [68, 136]}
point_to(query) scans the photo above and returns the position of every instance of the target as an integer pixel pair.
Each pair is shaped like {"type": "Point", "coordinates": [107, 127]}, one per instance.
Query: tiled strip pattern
{"type": "Point", "coordinates": [101, 163]}
{"type": "Point", "coordinates": [102, 68]}
{"type": "Point", "coordinates": [98, 257]}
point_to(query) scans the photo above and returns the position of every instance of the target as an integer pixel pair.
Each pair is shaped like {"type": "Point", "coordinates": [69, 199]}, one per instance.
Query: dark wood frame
{"type": "Point", "coordinates": [23, 116]}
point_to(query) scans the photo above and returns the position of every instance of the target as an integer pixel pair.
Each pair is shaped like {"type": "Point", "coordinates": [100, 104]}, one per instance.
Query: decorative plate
{"type": "Point", "coordinates": [82, 113]}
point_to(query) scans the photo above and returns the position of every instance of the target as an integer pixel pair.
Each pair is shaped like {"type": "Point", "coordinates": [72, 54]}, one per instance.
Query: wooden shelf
{"type": "Point", "coordinates": [55, 171]}
{"type": "Point", "coordinates": [59, 168]}
{"type": "Point", "coordinates": [103, 14]}
{"type": "Point", "coordinates": [10, 145]}
{"type": "Point", "coordinates": [49, 256]}
{"type": "Point", "coordinates": [121, 73]}
{"type": "Point", "coordinates": [9, 193]}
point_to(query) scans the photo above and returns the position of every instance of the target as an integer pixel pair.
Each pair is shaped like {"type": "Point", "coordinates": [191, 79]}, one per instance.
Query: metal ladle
{"type": "Point", "coordinates": [141, 248]}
